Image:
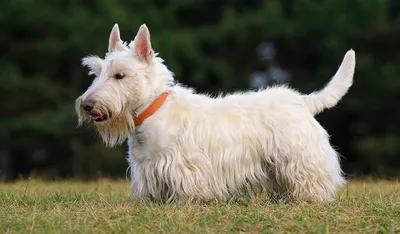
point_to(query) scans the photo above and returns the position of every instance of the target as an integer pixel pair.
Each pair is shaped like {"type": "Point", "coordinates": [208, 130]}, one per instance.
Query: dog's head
{"type": "Point", "coordinates": [126, 80]}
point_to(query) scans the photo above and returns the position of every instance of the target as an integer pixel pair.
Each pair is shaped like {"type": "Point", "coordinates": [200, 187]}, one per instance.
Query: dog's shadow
{"type": "Point", "coordinates": [245, 199]}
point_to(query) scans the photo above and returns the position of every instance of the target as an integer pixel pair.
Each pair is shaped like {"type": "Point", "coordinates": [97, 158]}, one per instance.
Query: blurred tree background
{"type": "Point", "coordinates": [211, 45]}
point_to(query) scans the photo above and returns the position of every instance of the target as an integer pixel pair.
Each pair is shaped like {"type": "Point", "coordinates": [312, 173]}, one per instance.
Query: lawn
{"type": "Point", "coordinates": [370, 206]}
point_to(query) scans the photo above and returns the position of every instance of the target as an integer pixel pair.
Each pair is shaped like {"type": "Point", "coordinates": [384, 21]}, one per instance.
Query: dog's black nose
{"type": "Point", "coordinates": [87, 105]}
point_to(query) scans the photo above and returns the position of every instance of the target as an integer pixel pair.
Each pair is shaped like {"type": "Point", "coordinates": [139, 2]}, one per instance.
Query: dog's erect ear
{"type": "Point", "coordinates": [114, 38]}
{"type": "Point", "coordinates": [142, 44]}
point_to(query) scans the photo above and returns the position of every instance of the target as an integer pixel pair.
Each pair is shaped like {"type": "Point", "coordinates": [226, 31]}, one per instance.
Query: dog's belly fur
{"type": "Point", "coordinates": [198, 148]}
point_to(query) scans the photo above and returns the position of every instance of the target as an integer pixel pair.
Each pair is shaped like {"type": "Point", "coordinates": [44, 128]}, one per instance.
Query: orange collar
{"type": "Point", "coordinates": [151, 109]}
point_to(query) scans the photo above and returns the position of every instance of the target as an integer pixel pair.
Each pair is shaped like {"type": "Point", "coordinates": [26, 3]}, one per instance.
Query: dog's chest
{"type": "Point", "coordinates": [140, 138]}
{"type": "Point", "coordinates": [148, 141]}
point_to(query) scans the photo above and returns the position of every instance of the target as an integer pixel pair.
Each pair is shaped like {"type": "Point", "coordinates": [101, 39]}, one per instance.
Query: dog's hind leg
{"type": "Point", "coordinates": [308, 168]}
{"type": "Point", "coordinates": [303, 179]}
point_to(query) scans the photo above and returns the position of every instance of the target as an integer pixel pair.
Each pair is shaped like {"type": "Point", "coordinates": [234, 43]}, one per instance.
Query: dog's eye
{"type": "Point", "coordinates": [119, 75]}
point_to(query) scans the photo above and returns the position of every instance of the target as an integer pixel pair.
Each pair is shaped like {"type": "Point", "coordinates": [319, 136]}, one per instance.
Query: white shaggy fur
{"type": "Point", "coordinates": [198, 148]}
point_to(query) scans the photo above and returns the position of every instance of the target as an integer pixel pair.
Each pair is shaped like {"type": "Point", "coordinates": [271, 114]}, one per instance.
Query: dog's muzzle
{"type": "Point", "coordinates": [88, 107]}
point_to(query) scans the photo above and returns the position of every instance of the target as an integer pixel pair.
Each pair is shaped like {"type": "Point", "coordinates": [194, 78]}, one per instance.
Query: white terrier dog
{"type": "Point", "coordinates": [191, 147]}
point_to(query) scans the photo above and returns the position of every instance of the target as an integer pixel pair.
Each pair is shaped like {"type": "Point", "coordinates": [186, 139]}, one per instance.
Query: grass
{"type": "Point", "coordinates": [369, 206]}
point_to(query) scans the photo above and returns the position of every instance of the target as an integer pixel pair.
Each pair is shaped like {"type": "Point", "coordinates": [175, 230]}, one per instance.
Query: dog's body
{"type": "Point", "coordinates": [198, 148]}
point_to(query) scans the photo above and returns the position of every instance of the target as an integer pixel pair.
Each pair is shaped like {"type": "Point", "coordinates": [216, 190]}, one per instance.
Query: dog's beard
{"type": "Point", "coordinates": [114, 130]}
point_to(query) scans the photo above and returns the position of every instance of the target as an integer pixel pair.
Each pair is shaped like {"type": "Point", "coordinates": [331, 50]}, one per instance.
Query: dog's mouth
{"type": "Point", "coordinates": [98, 117]}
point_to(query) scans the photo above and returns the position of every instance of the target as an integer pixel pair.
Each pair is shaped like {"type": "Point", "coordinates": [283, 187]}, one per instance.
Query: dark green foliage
{"type": "Point", "coordinates": [210, 45]}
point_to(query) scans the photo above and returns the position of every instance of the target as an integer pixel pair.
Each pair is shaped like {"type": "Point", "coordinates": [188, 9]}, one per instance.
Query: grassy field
{"type": "Point", "coordinates": [104, 207]}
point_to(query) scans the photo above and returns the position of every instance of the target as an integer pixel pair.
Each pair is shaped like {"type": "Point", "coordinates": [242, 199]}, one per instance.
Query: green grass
{"type": "Point", "coordinates": [103, 207]}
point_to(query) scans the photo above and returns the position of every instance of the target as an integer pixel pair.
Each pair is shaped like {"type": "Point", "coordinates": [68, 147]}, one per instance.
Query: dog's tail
{"type": "Point", "coordinates": [336, 88]}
